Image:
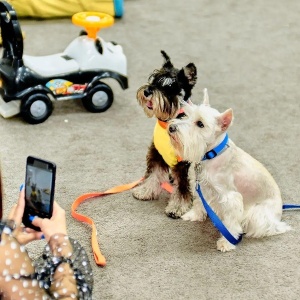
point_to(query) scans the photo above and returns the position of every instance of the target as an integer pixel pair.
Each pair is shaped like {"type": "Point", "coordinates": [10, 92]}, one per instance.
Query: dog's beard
{"type": "Point", "coordinates": [188, 144]}
{"type": "Point", "coordinates": [145, 102]}
{"type": "Point", "coordinates": [157, 104]}
{"type": "Point", "coordinates": [177, 143]}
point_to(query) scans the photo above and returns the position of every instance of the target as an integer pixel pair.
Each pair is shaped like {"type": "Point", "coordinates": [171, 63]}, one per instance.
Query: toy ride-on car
{"type": "Point", "coordinates": [30, 84]}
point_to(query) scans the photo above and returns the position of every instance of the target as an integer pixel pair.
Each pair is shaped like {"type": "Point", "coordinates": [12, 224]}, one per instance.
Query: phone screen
{"type": "Point", "coordinates": [39, 188]}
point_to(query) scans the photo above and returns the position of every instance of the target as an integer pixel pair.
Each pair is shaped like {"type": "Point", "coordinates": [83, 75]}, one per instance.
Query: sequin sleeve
{"type": "Point", "coordinates": [62, 272]}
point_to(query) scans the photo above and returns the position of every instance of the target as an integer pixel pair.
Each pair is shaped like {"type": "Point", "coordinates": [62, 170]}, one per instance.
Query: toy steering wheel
{"type": "Point", "coordinates": [92, 22]}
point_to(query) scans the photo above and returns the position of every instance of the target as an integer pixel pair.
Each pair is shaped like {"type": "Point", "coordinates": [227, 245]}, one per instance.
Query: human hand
{"type": "Point", "coordinates": [56, 224]}
{"type": "Point", "coordinates": [23, 235]}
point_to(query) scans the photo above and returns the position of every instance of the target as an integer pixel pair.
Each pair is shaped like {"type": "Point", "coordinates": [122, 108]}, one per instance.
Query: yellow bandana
{"type": "Point", "coordinates": [163, 145]}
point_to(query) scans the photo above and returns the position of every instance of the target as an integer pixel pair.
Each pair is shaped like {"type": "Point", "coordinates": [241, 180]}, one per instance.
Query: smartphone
{"type": "Point", "coordinates": [39, 190]}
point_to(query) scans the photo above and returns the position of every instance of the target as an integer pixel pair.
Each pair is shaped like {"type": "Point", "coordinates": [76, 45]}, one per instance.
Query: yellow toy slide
{"type": "Point", "coordinates": [65, 8]}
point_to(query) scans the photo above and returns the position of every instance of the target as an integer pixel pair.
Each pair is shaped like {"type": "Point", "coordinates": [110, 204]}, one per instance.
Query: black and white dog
{"type": "Point", "coordinates": [161, 98]}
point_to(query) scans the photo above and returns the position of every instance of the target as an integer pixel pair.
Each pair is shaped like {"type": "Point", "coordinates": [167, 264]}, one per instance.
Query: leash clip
{"type": "Point", "coordinates": [198, 170]}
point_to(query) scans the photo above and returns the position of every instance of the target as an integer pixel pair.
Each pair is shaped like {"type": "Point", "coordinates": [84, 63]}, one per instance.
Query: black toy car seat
{"type": "Point", "coordinates": [12, 38]}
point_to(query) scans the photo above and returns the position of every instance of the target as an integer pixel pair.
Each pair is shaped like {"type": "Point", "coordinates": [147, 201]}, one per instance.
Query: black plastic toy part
{"type": "Point", "coordinates": [11, 35]}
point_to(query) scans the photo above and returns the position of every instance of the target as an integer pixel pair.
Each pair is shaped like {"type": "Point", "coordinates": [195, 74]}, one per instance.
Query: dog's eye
{"type": "Point", "coordinates": [181, 115]}
{"type": "Point", "coordinates": [199, 124]}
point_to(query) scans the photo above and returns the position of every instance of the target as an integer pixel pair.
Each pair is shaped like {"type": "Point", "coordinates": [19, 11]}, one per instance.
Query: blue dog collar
{"type": "Point", "coordinates": [217, 150]}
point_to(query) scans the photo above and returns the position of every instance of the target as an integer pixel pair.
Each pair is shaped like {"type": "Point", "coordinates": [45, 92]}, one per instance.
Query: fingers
{"type": "Point", "coordinates": [58, 211]}
{"type": "Point", "coordinates": [56, 224]}
{"type": "Point", "coordinates": [37, 221]}
{"type": "Point", "coordinates": [39, 234]}
{"type": "Point", "coordinates": [17, 210]}
{"type": "Point", "coordinates": [21, 201]}
{"type": "Point", "coordinates": [28, 230]}
{"type": "Point", "coordinates": [26, 237]}
{"type": "Point", "coordinates": [56, 208]}
{"type": "Point", "coordinates": [29, 237]}
{"type": "Point", "coordinates": [20, 208]}
{"type": "Point", "coordinates": [12, 212]}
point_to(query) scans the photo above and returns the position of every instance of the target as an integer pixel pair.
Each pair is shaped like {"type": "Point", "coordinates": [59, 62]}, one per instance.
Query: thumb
{"type": "Point", "coordinates": [36, 221]}
{"type": "Point", "coordinates": [25, 237]}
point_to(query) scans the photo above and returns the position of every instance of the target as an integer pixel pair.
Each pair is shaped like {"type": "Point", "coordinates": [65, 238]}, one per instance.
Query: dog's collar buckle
{"type": "Point", "coordinates": [210, 154]}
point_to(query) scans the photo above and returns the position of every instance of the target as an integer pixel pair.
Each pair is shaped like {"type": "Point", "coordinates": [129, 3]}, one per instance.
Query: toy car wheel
{"type": "Point", "coordinates": [99, 98]}
{"type": "Point", "coordinates": [36, 108]}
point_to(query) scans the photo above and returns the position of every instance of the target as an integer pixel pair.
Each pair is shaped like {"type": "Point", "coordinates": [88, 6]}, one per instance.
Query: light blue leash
{"type": "Point", "coordinates": [212, 215]}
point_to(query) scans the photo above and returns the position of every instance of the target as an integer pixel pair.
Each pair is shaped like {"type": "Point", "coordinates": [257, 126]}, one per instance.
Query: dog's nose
{"type": "Point", "coordinates": [147, 91]}
{"type": "Point", "coordinates": [172, 128]}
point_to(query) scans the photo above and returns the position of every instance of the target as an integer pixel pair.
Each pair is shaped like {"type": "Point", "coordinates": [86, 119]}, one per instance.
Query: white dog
{"type": "Point", "coordinates": [238, 188]}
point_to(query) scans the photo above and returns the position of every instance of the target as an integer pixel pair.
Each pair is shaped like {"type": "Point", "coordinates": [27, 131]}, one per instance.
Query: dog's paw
{"type": "Point", "coordinates": [194, 215]}
{"type": "Point", "coordinates": [142, 192]}
{"type": "Point", "coordinates": [224, 246]}
{"type": "Point", "coordinates": [175, 210]}
{"type": "Point", "coordinates": [197, 213]}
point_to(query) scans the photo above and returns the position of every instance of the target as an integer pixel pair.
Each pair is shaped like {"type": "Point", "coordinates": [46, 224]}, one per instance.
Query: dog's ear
{"type": "Point", "coordinates": [205, 97]}
{"type": "Point", "coordinates": [225, 119]}
{"type": "Point", "coordinates": [188, 108]}
{"type": "Point", "coordinates": [187, 78]}
{"type": "Point", "coordinates": [167, 64]}
{"type": "Point", "coordinates": [190, 72]}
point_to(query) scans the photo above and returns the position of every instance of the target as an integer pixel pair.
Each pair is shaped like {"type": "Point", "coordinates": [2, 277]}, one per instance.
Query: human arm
{"type": "Point", "coordinates": [67, 268]}
{"type": "Point", "coordinates": [62, 272]}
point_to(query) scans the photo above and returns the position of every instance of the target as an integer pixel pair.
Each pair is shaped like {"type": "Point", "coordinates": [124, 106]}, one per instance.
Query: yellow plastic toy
{"type": "Point", "coordinates": [92, 22]}
{"type": "Point", "coordinates": [61, 8]}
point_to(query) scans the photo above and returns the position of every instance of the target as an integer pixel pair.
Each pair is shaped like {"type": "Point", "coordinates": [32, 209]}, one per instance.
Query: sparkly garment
{"type": "Point", "coordinates": [62, 272]}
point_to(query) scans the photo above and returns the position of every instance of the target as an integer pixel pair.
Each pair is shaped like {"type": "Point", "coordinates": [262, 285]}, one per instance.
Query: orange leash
{"type": "Point", "coordinates": [99, 258]}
